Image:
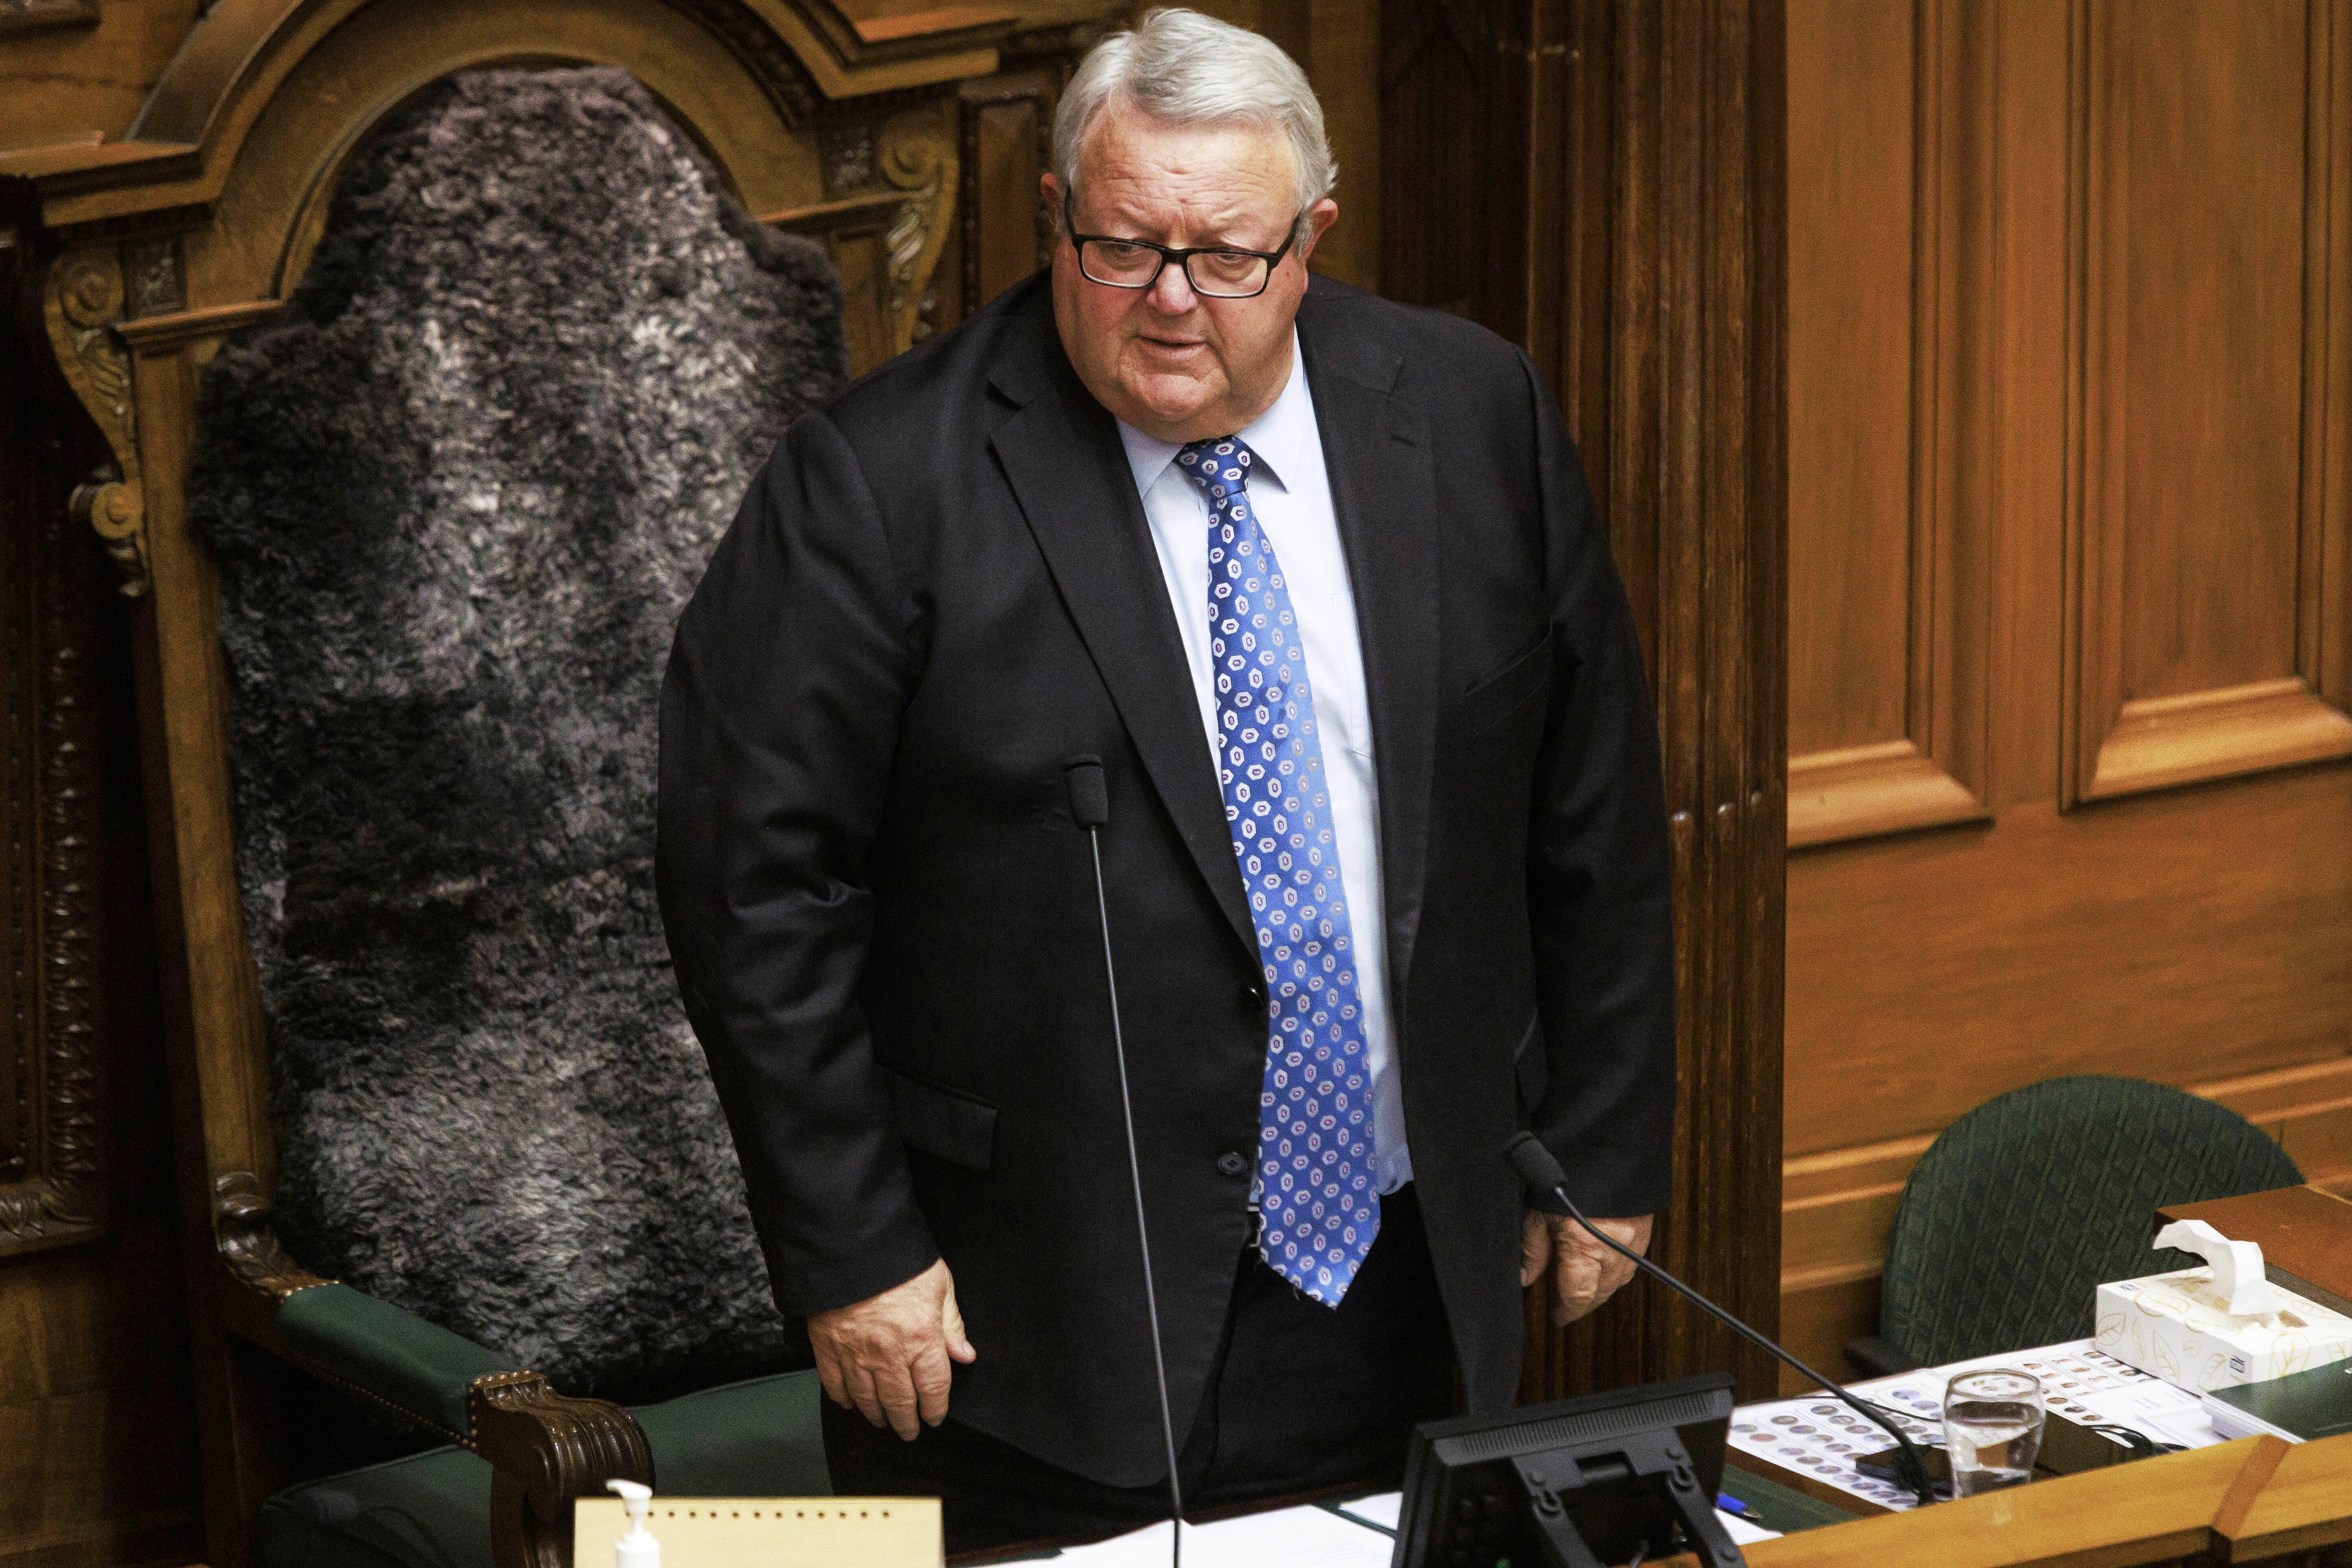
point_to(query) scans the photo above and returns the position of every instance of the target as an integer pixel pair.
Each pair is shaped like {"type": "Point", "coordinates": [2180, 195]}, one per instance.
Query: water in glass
{"type": "Point", "coordinates": [1993, 1429]}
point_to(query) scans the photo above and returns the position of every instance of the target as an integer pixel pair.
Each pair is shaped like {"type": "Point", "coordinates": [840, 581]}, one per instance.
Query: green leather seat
{"type": "Point", "coordinates": [432, 1509]}
{"type": "Point", "coordinates": [2018, 1211]}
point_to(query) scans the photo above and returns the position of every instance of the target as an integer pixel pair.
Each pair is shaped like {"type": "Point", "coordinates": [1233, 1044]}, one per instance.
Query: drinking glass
{"type": "Point", "coordinates": [1992, 1428]}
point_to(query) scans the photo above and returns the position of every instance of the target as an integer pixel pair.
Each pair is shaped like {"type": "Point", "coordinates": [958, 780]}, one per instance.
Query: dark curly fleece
{"type": "Point", "coordinates": [460, 489]}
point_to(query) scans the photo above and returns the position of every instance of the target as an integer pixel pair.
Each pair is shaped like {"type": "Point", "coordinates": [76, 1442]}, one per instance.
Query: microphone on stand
{"type": "Point", "coordinates": [1090, 808]}
{"type": "Point", "coordinates": [1541, 1173]}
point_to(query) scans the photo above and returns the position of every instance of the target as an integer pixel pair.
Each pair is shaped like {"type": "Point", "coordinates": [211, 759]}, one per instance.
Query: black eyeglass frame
{"type": "Point", "coordinates": [1182, 259]}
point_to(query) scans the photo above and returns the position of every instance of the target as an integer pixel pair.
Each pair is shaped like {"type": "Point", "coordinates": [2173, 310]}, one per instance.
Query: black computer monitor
{"type": "Point", "coordinates": [1579, 1483]}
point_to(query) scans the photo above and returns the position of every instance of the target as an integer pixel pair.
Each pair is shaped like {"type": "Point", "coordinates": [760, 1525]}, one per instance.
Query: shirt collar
{"type": "Point", "coordinates": [1279, 436]}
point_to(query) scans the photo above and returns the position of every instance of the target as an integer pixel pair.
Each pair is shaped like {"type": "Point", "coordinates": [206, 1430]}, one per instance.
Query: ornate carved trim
{"type": "Point", "coordinates": [545, 1450]}
{"type": "Point", "coordinates": [85, 303]}
{"type": "Point", "coordinates": [917, 155]}
{"type": "Point", "coordinates": [780, 72]}
{"type": "Point", "coordinates": [248, 1244]}
{"type": "Point", "coordinates": [58, 1194]}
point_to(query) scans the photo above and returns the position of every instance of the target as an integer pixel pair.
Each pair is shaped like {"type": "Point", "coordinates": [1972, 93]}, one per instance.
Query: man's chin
{"type": "Point", "coordinates": [1172, 404]}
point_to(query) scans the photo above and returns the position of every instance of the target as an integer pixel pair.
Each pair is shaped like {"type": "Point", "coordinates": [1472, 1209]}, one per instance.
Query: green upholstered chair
{"type": "Point", "coordinates": [2024, 1206]}
{"type": "Point", "coordinates": [756, 1438]}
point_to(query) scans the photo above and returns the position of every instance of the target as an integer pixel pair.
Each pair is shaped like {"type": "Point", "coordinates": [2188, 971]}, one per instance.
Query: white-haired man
{"type": "Point", "coordinates": [1315, 581]}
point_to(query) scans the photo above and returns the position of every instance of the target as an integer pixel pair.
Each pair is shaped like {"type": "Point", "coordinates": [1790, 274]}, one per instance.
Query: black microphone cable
{"type": "Point", "coordinates": [1090, 808]}
{"type": "Point", "coordinates": [1539, 1173]}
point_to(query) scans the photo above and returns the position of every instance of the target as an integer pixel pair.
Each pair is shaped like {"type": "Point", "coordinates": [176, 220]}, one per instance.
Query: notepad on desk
{"type": "Point", "coordinates": [2300, 1407]}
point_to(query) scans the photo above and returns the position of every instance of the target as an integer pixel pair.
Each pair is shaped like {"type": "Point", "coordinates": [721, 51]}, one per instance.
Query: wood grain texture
{"type": "Point", "coordinates": [64, 83]}
{"type": "Point", "coordinates": [1603, 183]}
{"type": "Point", "coordinates": [2187, 938]}
{"type": "Point", "coordinates": [2180, 1509]}
{"type": "Point", "coordinates": [2215, 299]}
{"type": "Point", "coordinates": [1891, 241]}
{"type": "Point", "coordinates": [1853, 146]}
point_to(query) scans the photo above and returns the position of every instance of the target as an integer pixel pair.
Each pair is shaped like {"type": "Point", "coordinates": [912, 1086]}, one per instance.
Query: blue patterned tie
{"type": "Point", "coordinates": [1317, 1207]}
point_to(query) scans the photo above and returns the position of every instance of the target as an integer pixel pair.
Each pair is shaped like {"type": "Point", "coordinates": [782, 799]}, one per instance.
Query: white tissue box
{"type": "Point", "coordinates": [2178, 1327]}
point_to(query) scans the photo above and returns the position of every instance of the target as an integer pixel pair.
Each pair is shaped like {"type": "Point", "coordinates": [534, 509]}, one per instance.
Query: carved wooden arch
{"type": "Point", "coordinates": [208, 213]}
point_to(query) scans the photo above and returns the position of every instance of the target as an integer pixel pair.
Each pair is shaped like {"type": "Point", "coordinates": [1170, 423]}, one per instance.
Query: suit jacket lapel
{"type": "Point", "coordinates": [1062, 456]}
{"type": "Point", "coordinates": [1384, 488]}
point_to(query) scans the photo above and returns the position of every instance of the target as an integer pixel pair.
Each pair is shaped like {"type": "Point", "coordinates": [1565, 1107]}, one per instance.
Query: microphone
{"type": "Point", "coordinates": [1091, 809]}
{"type": "Point", "coordinates": [1541, 1173]}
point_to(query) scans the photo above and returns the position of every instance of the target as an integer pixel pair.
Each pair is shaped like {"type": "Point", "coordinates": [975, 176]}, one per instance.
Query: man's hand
{"type": "Point", "coordinates": [887, 1357]}
{"type": "Point", "coordinates": [1584, 1272]}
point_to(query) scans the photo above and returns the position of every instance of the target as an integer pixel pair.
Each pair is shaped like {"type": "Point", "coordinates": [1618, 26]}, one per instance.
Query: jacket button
{"type": "Point", "coordinates": [1232, 1165]}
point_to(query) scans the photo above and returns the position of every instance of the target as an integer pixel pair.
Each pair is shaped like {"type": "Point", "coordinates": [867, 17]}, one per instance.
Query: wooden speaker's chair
{"type": "Point", "coordinates": [297, 650]}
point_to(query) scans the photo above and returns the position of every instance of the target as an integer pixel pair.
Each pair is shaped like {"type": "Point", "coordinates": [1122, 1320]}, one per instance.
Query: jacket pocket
{"type": "Point", "coordinates": [1531, 1067]}
{"type": "Point", "coordinates": [1498, 695]}
{"type": "Point", "coordinates": [952, 1126]}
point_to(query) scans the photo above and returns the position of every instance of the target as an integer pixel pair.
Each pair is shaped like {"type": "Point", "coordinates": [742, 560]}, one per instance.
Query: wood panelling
{"type": "Point", "coordinates": [1602, 184]}
{"type": "Point", "coordinates": [2215, 326]}
{"type": "Point", "coordinates": [2136, 460]}
{"type": "Point", "coordinates": [1888, 625]}
{"type": "Point", "coordinates": [1337, 43]}
{"type": "Point", "coordinates": [96, 1428]}
{"type": "Point", "coordinates": [81, 74]}
{"type": "Point", "coordinates": [2188, 937]}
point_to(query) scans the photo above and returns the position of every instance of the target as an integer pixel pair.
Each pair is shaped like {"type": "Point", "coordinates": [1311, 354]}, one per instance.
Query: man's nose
{"type": "Point", "coordinates": [1171, 292]}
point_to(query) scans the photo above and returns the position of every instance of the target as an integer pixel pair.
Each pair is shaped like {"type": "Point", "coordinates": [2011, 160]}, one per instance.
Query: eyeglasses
{"type": "Point", "coordinates": [1218, 271]}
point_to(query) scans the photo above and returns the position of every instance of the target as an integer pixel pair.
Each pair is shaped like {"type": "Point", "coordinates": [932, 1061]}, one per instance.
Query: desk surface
{"type": "Point", "coordinates": [2305, 1236]}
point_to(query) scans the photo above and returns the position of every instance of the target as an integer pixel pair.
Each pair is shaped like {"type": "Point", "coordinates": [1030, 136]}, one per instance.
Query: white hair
{"type": "Point", "coordinates": [1184, 68]}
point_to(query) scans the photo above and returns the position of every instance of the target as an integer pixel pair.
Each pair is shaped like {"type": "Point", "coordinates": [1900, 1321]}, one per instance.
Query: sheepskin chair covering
{"type": "Point", "coordinates": [460, 490]}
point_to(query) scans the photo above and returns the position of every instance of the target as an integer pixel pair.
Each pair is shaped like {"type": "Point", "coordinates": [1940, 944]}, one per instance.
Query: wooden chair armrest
{"type": "Point", "coordinates": [545, 1450]}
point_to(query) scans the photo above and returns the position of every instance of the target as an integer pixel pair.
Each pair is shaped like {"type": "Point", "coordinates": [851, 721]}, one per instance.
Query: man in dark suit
{"type": "Point", "coordinates": [1317, 580]}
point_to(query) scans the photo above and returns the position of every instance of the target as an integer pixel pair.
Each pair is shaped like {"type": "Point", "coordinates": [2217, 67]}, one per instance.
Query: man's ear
{"type": "Point", "coordinates": [1319, 217]}
{"type": "Point", "coordinates": [1050, 186]}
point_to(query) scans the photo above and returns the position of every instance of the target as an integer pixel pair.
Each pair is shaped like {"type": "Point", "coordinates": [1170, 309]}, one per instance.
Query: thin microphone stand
{"type": "Point", "coordinates": [1540, 1172]}
{"type": "Point", "coordinates": [1090, 803]}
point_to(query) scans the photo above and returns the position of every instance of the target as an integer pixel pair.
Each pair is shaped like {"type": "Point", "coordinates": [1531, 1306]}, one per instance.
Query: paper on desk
{"type": "Point", "coordinates": [1818, 1437]}
{"type": "Point", "coordinates": [1285, 1538]}
{"type": "Point", "coordinates": [1741, 1531]}
{"type": "Point", "coordinates": [1379, 1511]}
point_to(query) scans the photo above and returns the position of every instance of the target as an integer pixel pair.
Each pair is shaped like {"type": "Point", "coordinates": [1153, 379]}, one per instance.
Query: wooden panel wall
{"type": "Point", "coordinates": [1337, 43]}
{"type": "Point", "coordinates": [96, 1423]}
{"type": "Point", "coordinates": [2071, 481]}
{"type": "Point", "coordinates": [1600, 180]}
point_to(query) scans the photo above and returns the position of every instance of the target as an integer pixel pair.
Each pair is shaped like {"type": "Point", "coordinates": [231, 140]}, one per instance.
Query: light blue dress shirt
{"type": "Point", "coordinates": [1291, 489]}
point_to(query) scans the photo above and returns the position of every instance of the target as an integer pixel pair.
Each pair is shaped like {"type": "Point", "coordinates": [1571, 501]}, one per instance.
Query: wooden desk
{"type": "Point", "coordinates": [2259, 1500]}
{"type": "Point", "coordinates": [2305, 1236]}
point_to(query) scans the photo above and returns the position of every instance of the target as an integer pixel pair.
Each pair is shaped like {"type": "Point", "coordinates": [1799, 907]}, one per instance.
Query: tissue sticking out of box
{"type": "Point", "coordinates": [2218, 1326]}
{"type": "Point", "coordinates": [2238, 1279]}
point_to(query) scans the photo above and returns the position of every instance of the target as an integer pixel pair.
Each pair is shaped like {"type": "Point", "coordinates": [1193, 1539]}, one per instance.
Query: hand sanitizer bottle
{"type": "Point", "coordinates": [638, 1549]}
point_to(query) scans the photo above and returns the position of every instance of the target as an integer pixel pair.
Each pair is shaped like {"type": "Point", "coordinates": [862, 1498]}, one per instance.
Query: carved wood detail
{"type": "Point", "coordinates": [890, 178]}
{"type": "Point", "coordinates": [2206, 615]}
{"type": "Point", "coordinates": [248, 1245]}
{"type": "Point", "coordinates": [546, 1449]}
{"type": "Point", "coordinates": [53, 1169]}
{"type": "Point", "coordinates": [86, 301]}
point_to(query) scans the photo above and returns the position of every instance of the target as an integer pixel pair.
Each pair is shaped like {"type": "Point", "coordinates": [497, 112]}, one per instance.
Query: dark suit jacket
{"type": "Point", "coordinates": [940, 591]}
